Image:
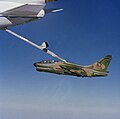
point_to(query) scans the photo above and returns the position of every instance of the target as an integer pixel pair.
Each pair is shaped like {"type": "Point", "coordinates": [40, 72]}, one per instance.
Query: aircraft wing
{"type": "Point", "coordinates": [26, 10]}
{"type": "Point", "coordinates": [73, 69]}
{"type": "Point", "coordinates": [70, 66]}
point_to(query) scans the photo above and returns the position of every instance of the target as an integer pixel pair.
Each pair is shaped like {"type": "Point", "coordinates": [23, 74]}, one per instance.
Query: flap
{"type": "Point", "coordinates": [24, 10]}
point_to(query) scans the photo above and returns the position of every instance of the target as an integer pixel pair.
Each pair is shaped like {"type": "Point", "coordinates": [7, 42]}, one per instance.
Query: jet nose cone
{"type": "Point", "coordinates": [35, 64]}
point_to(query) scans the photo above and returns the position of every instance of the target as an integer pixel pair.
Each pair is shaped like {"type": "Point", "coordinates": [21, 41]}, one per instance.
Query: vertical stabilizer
{"type": "Point", "coordinates": [102, 64]}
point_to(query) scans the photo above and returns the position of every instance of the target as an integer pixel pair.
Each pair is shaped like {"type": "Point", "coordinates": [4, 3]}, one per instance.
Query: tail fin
{"type": "Point", "coordinates": [102, 64]}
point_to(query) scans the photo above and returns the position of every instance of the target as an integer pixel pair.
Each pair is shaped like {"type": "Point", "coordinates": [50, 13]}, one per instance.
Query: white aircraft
{"type": "Point", "coordinates": [16, 12]}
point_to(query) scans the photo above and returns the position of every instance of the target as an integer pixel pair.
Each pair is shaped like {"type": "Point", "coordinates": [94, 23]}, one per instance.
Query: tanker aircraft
{"type": "Point", "coordinates": [17, 12]}
{"type": "Point", "coordinates": [97, 69]}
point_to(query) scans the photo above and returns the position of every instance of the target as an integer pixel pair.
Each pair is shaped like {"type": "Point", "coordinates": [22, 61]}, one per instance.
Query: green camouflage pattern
{"type": "Point", "coordinates": [97, 69]}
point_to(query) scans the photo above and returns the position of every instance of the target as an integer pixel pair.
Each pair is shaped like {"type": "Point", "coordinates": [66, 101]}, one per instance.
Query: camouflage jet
{"type": "Point", "coordinates": [97, 69]}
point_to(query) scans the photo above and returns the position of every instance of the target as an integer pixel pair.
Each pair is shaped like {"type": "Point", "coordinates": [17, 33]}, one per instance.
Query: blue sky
{"type": "Point", "coordinates": [84, 32]}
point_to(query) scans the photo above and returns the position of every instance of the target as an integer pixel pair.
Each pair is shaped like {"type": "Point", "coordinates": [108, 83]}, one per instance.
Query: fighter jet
{"type": "Point", "coordinates": [98, 69]}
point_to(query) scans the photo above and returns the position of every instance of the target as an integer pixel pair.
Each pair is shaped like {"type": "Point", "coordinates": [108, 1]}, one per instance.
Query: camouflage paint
{"type": "Point", "coordinates": [97, 69]}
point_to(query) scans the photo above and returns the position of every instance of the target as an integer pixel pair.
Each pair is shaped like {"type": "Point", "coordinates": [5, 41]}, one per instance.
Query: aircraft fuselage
{"type": "Point", "coordinates": [63, 68]}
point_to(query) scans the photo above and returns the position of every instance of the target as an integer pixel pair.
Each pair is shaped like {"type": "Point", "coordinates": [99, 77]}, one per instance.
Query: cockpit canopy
{"type": "Point", "coordinates": [48, 61]}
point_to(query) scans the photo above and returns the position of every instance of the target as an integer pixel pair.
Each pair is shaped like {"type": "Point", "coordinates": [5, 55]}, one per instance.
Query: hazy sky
{"type": "Point", "coordinates": [83, 33]}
